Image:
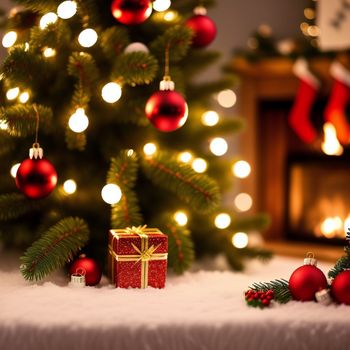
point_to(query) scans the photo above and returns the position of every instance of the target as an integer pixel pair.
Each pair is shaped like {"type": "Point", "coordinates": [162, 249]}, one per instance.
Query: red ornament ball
{"type": "Point", "coordinates": [167, 110]}
{"type": "Point", "coordinates": [131, 12]}
{"type": "Point", "coordinates": [87, 267]}
{"type": "Point", "coordinates": [340, 287]}
{"type": "Point", "coordinates": [36, 178]}
{"type": "Point", "coordinates": [305, 281]}
{"type": "Point", "coordinates": [204, 30]}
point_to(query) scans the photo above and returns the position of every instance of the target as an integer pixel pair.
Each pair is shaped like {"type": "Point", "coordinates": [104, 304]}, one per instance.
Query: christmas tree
{"type": "Point", "coordinates": [76, 81]}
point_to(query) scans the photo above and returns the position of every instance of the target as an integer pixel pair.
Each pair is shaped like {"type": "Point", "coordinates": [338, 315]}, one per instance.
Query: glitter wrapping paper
{"type": "Point", "coordinates": [138, 258]}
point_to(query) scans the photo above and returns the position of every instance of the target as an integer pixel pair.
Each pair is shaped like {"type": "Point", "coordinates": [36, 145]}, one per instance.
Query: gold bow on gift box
{"type": "Point", "coordinates": [145, 254]}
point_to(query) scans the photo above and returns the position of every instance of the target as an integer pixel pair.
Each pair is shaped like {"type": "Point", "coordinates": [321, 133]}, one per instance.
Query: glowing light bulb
{"type": "Point", "coordinates": [47, 19]}
{"type": "Point", "coordinates": [111, 92]}
{"type": "Point", "coordinates": [88, 37]}
{"type": "Point", "coordinates": [199, 165]}
{"type": "Point", "coordinates": [3, 125]}
{"type": "Point", "coordinates": [169, 16]}
{"type": "Point", "coordinates": [70, 186]}
{"type": "Point", "coordinates": [185, 157]}
{"type": "Point", "coordinates": [49, 52]}
{"type": "Point", "coordinates": [24, 97]}
{"type": "Point", "coordinates": [9, 39]}
{"type": "Point", "coordinates": [331, 145]}
{"type": "Point", "coordinates": [240, 240]}
{"type": "Point", "coordinates": [210, 118]}
{"type": "Point", "coordinates": [14, 169]}
{"type": "Point", "coordinates": [67, 9]}
{"type": "Point", "coordinates": [11, 94]}
{"type": "Point", "coordinates": [111, 193]}
{"type": "Point", "coordinates": [149, 149]}
{"type": "Point", "coordinates": [241, 169]}
{"type": "Point", "coordinates": [161, 5]}
{"type": "Point", "coordinates": [181, 218]}
{"type": "Point", "coordinates": [78, 122]}
{"type": "Point", "coordinates": [218, 146]}
{"type": "Point", "coordinates": [26, 47]}
{"type": "Point", "coordinates": [222, 221]}
{"type": "Point", "coordinates": [227, 98]}
{"type": "Point", "coordinates": [243, 202]}
{"type": "Point", "coordinates": [130, 152]}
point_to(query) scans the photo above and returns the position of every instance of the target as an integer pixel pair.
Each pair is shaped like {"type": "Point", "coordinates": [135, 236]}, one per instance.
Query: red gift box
{"type": "Point", "coordinates": [138, 257]}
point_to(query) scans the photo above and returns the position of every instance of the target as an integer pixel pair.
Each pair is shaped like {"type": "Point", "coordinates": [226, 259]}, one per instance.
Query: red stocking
{"type": "Point", "coordinates": [299, 117]}
{"type": "Point", "coordinates": [340, 96]}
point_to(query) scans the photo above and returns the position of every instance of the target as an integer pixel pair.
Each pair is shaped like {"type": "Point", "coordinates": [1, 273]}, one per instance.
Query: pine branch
{"type": "Point", "coordinates": [75, 141]}
{"type": "Point", "coordinates": [197, 60]}
{"type": "Point", "coordinates": [123, 172]}
{"type": "Point", "coordinates": [135, 68]}
{"type": "Point", "coordinates": [6, 143]}
{"type": "Point", "coordinates": [262, 254]}
{"type": "Point", "coordinates": [342, 264]}
{"type": "Point", "coordinates": [113, 41]}
{"type": "Point", "coordinates": [225, 127]}
{"type": "Point", "coordinates": [21, 119]}
{"type": "Point", "coordinates": [15, 205]}
{"type": "Point", "coordinates": [280, 288]}
{"type": "Point", "coordinates": [198, 190]}
{"type": "Point", "coordinates": [41, 6]}
{"type": "Point", "coordinates": [178, 38]}
{"type": "Point", "coordinates": [57, 246]}
{"type": "Point", "coordinates": [180, 246]}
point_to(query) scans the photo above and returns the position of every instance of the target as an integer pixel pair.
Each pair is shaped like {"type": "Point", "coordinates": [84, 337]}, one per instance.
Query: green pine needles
{"type": "Point", "coordinates": [280, 288]}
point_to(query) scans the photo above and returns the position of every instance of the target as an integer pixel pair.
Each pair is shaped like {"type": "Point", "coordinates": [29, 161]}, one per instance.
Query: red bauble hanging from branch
{"type": "Point", "coordinates": [36, 177]}
{"type": "Point", "coordinates": [131, 12]}
{"type": "Point", "coordinates": [307, 280]}
{"type": "Point", "coordinates": [203, 26]}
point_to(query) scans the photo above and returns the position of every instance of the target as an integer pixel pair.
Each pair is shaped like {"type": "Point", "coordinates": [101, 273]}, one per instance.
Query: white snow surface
{"type": "Point", "coordinates": [203, 309]}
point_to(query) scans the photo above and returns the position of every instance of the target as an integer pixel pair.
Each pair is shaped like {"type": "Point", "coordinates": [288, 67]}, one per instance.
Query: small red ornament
{"type": "Point", "coordinates": [166, 109]}
{"type": "Point", "coordinates": [87, 267]}
{"type": "Point", "coordinates": [36, 177]}
{"type": "Point", "coordinates": [306, 280]}
{"type": "Point", "coordinates": [203, 26]}
{"type": "Point", "coordinates": [131, 12]}
{"type": "Point", "coordinates": [340, 287]}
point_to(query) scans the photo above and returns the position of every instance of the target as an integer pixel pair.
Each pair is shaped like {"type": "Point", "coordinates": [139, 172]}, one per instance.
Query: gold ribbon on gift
{"type": "Point", "coordinates": [145, 254]}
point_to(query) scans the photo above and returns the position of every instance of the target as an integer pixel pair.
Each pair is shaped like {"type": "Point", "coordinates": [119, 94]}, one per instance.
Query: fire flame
{"type": "Point", "coordinates": [334, 226]}
{"type": "Point", "coordinates": [331, 145]}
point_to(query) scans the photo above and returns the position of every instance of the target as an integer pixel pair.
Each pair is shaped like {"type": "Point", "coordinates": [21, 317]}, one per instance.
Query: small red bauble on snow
{"type": "Point", "coordinates": [87, 267]}
{"type": "Point", "coordinates": [340, 287]}
{"type": "Point", "coordinates": [131, 12]}
{"type": "Point", "coordinates": [203, 26]}
{"type": "Point", "coordinates": [36, 177]}
{"type": "Point", "coordinates": [166, 109]}
{"type": "Point", "coordinates": [306, 280]}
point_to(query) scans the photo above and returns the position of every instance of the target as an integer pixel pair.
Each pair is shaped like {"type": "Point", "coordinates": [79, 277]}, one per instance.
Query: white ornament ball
{"type": "Point", "coordinates": [136, 47]}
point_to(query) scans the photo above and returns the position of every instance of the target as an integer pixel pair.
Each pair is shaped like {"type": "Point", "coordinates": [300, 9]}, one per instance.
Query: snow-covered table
{"type": "Point", "coordinates": [200, 310]}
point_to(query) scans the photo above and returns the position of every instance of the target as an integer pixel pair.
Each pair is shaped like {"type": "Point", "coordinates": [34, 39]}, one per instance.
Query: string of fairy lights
{"type": "Point", "coordinates": [111, 93]}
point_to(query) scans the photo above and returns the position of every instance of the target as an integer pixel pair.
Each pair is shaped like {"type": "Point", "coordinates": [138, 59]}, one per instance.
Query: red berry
{"type": "Point", "coordinates": [250, 299]}
{"type": "Point", "coordinates": [266, 302]}
{"type": "Point", "coordinates": [269, 297]}
{"type": "Point", "coordinates": [270, 292]}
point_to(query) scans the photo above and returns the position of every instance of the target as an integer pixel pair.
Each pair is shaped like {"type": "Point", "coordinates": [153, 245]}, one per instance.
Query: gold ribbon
{"type": "Point", "coordinates": [145, 254]}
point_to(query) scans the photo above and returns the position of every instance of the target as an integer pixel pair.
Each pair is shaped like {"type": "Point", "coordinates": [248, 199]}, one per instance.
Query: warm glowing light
{"type": "Point", "coordinates": [11, 94]}
{"type": "Point", "coordinates": [330, 226]}
{"type": "Point", "coordinates": [49, 52]}
{"type": "Point", "coordinates": [14, 169]}
{"type": "Point", "coordinates": [111, 193]}
{"type": "Point", "coordinates": [227, 98]}
{"type": "Point", "coordinates": [240, 240]}
{"type": "Point", "coordinates": [70, 186]}
{"type": "Point", "coordinates": [313, 31]}
{"type": "Point", "coordinates": [130, 152]}
{"type": "Point", "coordinates": [347, 223]}
{"type": "Point", "coordinates": [26, 47]}
{"type": "Point", "coordinates": [78, 122]}
{"type": "Point", "coordinates": [169, 16]}
{"type": "Point", "coordinates": [161, 5]}
{"type": "Point", "coordinates": [111, 92]}
{"type": "Point", "coordinates": [210, 118]}
{"type": "Point", "coordinates": [185, 157]}
{"type": "Point", "coordinates": [218, 146]}
{"type": "Point", "coordinates": [243, 202]}
{"type": "Point", "coordinates": [222, 221]}
{"type": "Point", "coordinates": [304, 27]}
{"type": "Point", "coordinates": [149, 149]}
{"type": "Point", "coordinates": [199, 165]}
{"type": "Point", "coordinates": [309, 13]}
{"type": "Point", "coordinates": [9, 39]}
{"type": "Point", "coordinates": [67, 9]}
{"type": "Point", "coordinates": [331, 145]}
{"type": "Point", "coordinates": [241, 169]}
{"type": "Point", "coordinates": [181, 218]}
{"type": "Point", "coordinates": [24, 97]}
{"type": "Point", "coordinates": [88, 37]}
{"type": "Point", "coordinates": [3, 125]}
{"type": "Point", "coordinates": [47, 19]}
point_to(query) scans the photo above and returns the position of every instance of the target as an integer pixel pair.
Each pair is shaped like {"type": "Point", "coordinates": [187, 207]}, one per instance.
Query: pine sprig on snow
{"type": "Point", "coordinates": [280, 288]}
{"type": "Point", "coordinates": [54, 249]}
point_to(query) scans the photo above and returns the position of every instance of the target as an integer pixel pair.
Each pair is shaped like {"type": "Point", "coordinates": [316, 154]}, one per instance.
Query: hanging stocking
{"type": "Point", "coordinates": [299, 117]}
{"type": "Point", "coordinates": [340, 96]}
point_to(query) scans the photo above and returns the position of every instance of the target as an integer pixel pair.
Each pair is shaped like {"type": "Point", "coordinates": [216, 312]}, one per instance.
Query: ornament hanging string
{"type": "Point", "coordinates": [167, 64]}
{"type": "Point", "coordinates": [36, 144]}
